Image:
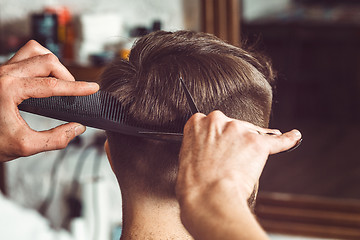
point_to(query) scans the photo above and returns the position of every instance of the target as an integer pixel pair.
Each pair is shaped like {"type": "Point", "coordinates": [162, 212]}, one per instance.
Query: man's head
{"type": "Point", "coordinates": [218, 75]}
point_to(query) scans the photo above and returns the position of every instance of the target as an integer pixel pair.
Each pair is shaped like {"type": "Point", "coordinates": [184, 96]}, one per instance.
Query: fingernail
{"type": "Point", "coordinates": [296, 145]}
{"type": "Point", "coordinates": [277, 132]}
{"type": "Point", "coordinates": [93, 85]}
{"type": "Point", "coordinates": [79, 129]}
{"type": "Point", "coordinates": [297, 133]}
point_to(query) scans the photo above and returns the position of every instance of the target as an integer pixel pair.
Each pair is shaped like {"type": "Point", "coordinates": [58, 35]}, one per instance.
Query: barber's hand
{"type": "Point", "coordinates": [221, 159]}
{"type": "Point", "coordinates": [35, 72]}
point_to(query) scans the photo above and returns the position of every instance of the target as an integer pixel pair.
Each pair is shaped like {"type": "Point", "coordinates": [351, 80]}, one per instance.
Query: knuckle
{"type": "Point", "coordinates": [215, 118]}
{"type": "Point", "coordinates": [51, 82]}
{"type": "Point", "coordinates": [196, 117]}
{"type": "Point", "coordinates": [24, 148]}
{"type": "Point", "coordinates": [5, 83]}
{"type": "Point", "coordinates": [235, 126]}
{"type": "Point", "coordinates": [32, 44]}
{"type": "Point", "coordinates": [33, 48]}
{"type": "Point", "coordinates": [215, 115]}
{"type": "Point", "coordinates": [5, 69]}
{"type": "Point", "coordinates": [251, 138]}
{"type": "Point", "coordinates": [51, 58]}
{"type": "Point", "coordinates": [64, 139]}
{"type": "Point", "coordinates": [240, 127]}
{"type": "Point", "coordinates": [193, 121]}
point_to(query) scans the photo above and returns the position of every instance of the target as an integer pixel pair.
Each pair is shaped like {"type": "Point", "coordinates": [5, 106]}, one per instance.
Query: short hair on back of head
{"type": "Point", "coordinates": [218, 75]}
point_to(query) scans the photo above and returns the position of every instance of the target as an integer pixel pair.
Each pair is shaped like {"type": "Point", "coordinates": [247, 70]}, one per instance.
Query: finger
{"type": "Point", "coordinates": [298, 143]}
{"type": "Point", "coordinates": [53, 139]}
{"type": "Point", "coordinates": [46, 87]}
{"type": "Point", "coordinates": [40, 66]}
{"type": "Point", "coordinates": [193, 120]}
{"type": "Point", "coordinates": [283, 142]}
{"type": "Point", "coordinates": [261, 130]}
{"type": "Point", "coordinates": [270, 131]}
{"type": "Point", "coordinates": [218, 115]}
{"type": "Point", "coordinates": [256, 129]}
{"type": "Point", "coordinates": [265, 131]}
{"type": "Point", "coordinates": [29, 50]}
{"type": "Point", "coordinates": [216, 121]}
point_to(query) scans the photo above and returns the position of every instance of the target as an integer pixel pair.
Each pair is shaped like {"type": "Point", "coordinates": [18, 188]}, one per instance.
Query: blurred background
{"type": "Point", "coordinates": [314, 47]}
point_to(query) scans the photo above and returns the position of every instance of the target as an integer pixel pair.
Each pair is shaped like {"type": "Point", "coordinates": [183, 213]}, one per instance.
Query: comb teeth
{"type": "Point", "coordinates": [99, 110]}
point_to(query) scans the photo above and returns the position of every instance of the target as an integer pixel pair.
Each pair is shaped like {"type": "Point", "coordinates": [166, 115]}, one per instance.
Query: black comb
{"type": "Point", "coordinates": [100, 110]}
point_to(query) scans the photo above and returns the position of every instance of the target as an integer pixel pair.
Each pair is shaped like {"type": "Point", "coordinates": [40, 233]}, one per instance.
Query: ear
{"type": "Point", "coordinates": [107, 150]}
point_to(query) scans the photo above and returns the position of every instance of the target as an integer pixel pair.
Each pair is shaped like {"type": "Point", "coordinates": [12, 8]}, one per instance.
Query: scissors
{"type": "Point", "coordinates": [194, 109]}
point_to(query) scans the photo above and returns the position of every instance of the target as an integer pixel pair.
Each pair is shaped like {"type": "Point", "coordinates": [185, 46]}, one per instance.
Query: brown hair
{"type": "Point", "coordinates": [218, 75]}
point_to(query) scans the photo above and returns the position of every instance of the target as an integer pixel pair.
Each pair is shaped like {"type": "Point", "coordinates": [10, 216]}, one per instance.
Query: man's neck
{"type": "Point", "coordinates": [148, 218]}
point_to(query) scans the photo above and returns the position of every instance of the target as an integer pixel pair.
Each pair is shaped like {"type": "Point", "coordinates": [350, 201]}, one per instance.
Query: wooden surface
{"type": "Point", "coordinates": [222, 18]}
{"type": "Point", "coordinates": [85, 73]}
{"type": "Point", "coordinates": [309, 216]}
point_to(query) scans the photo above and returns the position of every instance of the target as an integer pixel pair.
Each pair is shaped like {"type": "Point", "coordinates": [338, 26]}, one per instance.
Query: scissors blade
{"type": "Point", "coordinates": [190, 99]}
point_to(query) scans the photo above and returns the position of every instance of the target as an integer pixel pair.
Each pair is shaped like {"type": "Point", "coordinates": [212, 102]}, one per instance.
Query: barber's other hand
{"type": "Point", "coordinates": [35, 72]}
{"type": "Point", "coordinates": [221, 159]}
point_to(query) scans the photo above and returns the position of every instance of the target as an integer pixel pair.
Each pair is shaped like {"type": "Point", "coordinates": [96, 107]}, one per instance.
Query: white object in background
{"type": "Point", "coordinates": [254, 9]}
{"type": "Point", "coordinates": [78, 229]}
{"type": "Point", "coordinates": [102, 27]}
{"type": "Point", "coordinates": [95, 209]}
{"type": "Point", "coordinates": [18, 223]}
{"type": "Point", "coordinates": [288, 237]}
{"type": "Point", "coordinates": [28, 179]}
{"type": "Point", "coordinates": [96, 31]}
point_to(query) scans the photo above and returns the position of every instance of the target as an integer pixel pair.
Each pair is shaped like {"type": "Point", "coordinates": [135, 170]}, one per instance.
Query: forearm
{"type": "Point", "coordinates": [244, 226]}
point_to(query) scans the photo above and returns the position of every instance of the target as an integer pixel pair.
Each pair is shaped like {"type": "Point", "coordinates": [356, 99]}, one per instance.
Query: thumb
{"type": "Point", "coordinates": [53, 139]}
{"type": "Point", "coordinates": [284, 142]}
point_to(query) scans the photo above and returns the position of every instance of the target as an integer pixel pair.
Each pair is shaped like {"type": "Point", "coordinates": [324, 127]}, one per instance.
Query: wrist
{"type": "Point", "coordinates": [219, 200]}
{"type": "Point", "coordinates": [219, 213]}
{"type": "Point", "coordinates": [216, 194]}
